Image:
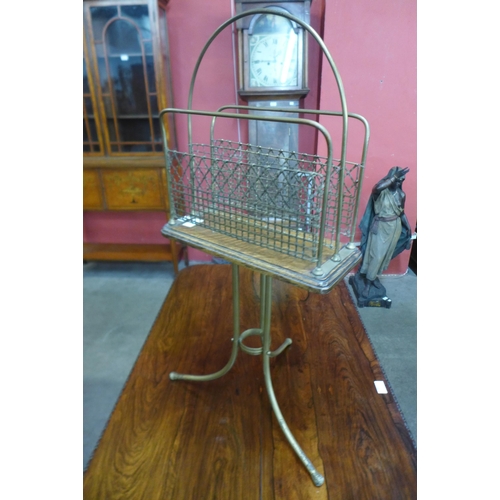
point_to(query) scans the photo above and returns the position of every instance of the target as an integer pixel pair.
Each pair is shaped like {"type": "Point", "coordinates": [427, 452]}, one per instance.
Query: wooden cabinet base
{"type": "Point", "coordinates": [123, 252]}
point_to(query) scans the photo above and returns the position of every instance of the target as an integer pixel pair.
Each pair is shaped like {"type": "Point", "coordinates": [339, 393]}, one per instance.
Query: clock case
{"type": "Point", "coordinates": [245, 26]}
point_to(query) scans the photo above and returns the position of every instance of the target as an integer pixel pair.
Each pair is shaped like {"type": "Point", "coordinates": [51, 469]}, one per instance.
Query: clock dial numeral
{"type": "Point", "coordinates": [274, 60]}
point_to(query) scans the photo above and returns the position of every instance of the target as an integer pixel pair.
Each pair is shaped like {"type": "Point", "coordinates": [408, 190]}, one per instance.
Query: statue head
{"type": "Point", "coordinates": [395, 171]}
{"type": "Point", "coordinates": [399, 173]}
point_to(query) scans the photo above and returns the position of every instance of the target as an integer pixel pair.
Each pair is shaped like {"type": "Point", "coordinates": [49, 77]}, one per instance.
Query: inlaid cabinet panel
{"type": "Point", "coordinates": [138, 189]}
{"type": "Point", "coordinates": [92, 192]}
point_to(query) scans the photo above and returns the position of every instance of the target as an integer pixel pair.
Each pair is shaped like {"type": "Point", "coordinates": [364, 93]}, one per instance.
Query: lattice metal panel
{"type": "Point", "coordinates": [350, 192]}
{"type": "Point", "coordinates": [259, 195]}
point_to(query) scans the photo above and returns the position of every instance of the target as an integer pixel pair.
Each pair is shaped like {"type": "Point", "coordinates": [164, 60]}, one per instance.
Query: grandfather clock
{"type": "Point", "coordinates": [273, 68]}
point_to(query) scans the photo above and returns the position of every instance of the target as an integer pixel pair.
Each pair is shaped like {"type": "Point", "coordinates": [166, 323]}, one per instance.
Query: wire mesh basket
{"type": "Point", "coordinates": [279, 211]}
{"type": "Point", "coordinates": [270, 198]}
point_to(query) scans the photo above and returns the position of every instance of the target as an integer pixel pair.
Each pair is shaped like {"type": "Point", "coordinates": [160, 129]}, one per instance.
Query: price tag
{"type": "Point", "coordinates": [380, 386]}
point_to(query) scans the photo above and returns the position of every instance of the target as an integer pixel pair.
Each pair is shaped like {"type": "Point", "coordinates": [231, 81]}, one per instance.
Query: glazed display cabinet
{"type": "Point", "coordinates": [126, 82]}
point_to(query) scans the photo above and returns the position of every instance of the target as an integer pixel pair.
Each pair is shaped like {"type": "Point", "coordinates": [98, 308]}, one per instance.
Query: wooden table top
{"type": "Point", "coordinates": [220, 439]}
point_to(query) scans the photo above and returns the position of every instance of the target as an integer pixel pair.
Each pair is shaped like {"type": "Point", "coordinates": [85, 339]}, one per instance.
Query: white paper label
{"type": "Point", "coordinates": [191, 221]}
{"type": "Point", "coordinates": [380, 386]}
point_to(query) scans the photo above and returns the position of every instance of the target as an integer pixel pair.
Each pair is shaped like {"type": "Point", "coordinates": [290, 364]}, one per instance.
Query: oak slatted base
{"type": "Point", "coordinates": [220, 439]}
{"type": "Point", "coordinates": [285, 267]}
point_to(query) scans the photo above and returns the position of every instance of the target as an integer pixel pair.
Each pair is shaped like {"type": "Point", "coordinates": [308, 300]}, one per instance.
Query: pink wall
{"type": "Point", "coordinates": [191, 23]}
{"type": "Point", "coordinates": [123, 227]}
{"type": "Point", "coordinates": [374, 47]}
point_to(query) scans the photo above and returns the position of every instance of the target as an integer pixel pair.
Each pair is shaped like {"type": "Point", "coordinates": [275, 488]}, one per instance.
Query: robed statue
{"type": "Point", "coordinates": [385, 233]}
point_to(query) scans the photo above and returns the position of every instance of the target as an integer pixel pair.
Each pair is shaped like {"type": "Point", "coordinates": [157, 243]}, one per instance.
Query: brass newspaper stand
{"type": "Point", "coordinates": [283, 214]}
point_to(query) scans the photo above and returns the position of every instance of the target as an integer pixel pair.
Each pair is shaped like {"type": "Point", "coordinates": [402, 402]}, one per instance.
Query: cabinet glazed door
{"type": "Point", "coordinates": [122, 47]}
{"type": "Point", "coordinates": [92, 137]}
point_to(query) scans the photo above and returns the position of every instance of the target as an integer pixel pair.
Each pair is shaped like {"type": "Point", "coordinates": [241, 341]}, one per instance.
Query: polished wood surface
{"type": "Point", "coordinates": [220, 439]}
{"type": "Point", "coordinates": [129, 189]}
{"type": "Point", "coordinates": [135, 252]}
{"type": "Point", "coordinates": [92, 190]}
{"type": "Point", "coordinates": [103, 162]}
{"type": "Point", "coordinates": [125, 189]}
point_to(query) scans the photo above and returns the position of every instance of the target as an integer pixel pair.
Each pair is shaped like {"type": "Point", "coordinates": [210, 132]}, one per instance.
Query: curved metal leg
{"type": "Point", "coordinates": [317, 478]}
{"type": "Point", "coordinates": [281, 348]}
{"type": "Point", "coordinates": [265, 333]}
{"type": "Point", "coordinates": [263, 312]}
{"type": "Point", "coordinates": [236, 329]}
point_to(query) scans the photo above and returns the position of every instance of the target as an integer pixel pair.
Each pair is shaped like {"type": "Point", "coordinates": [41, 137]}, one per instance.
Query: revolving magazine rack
{"type": "Point", "coordinates": [281, 213]}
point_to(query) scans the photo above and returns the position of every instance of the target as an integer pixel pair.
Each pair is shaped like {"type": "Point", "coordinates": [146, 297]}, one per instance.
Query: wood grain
{"type": "Point", "coordinates": [129, 189]}
{"type": "Point", "coordinates": [290, 269]}
{"type": "Point", "coordinates": [135, 252]}
{"type": "Point", "coordinates": [92, 190]}
{"type": "Point", "coordinates": [219, 439]}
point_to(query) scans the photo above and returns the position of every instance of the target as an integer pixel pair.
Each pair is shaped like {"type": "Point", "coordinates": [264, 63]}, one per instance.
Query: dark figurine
{"type": "Point", "coordinates": [385, 233]}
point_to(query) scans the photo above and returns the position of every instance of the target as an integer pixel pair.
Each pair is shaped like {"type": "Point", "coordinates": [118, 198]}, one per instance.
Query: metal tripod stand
{"type": "Point", "coordinates": [264, 332]}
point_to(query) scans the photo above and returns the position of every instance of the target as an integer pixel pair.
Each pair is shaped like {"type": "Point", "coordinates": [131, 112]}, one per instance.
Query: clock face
{"type": "Point", "coordinates": [274, 60]}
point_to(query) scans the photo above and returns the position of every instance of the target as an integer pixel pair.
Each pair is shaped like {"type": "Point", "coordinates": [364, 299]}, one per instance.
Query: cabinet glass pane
{"type": "Point", "coordinates": [122, 39]}
{"type": "Point", "coordinates": [86, 86]}
{"type": "Point", "coordinates": [90, 133]}
{"type": "Point", "coordinates": [90, 137]}
{"type": "Point", "coordinates": [129, 87]}
{"type": "Point", "coordinates": [133, 132]}
{"type": "Point", "coordinates": [87, 102]}
{"type": "Point", "coordinates": [150, 69]}
{"type": "Point", "coordinates": [112, 133]}
{"type": "Point", "coordinates": [127, 80]}
{"type": "Point", "coordinates": [154, 106]}
{"type": "Point", "coordinates": [139, 14]}
{"type": "Point", "coordinates": [100, 16]}
{"type": "Point", "coordinates": [148, 48]}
